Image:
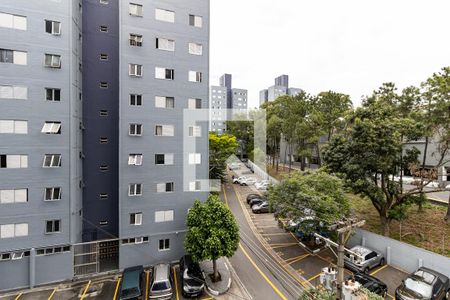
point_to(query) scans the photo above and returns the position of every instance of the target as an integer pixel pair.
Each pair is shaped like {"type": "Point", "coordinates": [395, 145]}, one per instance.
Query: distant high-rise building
{"type": "Point", "coordinates": [280, 88]}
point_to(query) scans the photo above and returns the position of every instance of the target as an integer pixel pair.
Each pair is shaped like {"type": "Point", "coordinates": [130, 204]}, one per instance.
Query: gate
{"type": "Point", "coordinates": [95, 257]}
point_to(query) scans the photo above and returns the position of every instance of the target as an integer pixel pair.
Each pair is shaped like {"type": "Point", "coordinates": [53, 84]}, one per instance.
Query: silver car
{"type": "Point", "coordinates": [365, 259]}
{"type": "Point", "coordinates": [161, 286]}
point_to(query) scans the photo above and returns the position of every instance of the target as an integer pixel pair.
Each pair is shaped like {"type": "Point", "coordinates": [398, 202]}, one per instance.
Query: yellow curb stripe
{"type": "Point", "coordinates": [176, 283]}
{"type": "Point", "coordinates": [117, 288]}
{"type": "Point", "coordinates": [147, 280]}
{"type": "Point", "coordinates": [378, 270]}
{"type": "Point", "coordinates": [85, 290]}
{"type": "Point", "coordinates": [51, 295]}
{"type": "Point", "coordinates": [18, 296]}
{"type": "Point", "coordinates": [274, 234]}
{"type": "Point", "coordinates": [299, 259]}
{"type": "Point", "coordinates": [312, 278]}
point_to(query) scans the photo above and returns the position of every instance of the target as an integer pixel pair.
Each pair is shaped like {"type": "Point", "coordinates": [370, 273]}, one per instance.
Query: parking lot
{"type": "Point", "coordinates": [102, 289]}
{"type": "Point", "coordinates": [286, 245]}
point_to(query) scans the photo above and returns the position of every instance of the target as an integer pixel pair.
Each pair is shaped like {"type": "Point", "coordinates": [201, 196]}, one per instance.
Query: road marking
{"type": "Point", "coordinates": [283, 245]}
{"type": "Point", "coordinates": [18, 296]}
{"type": "Point", "coordinates": [147, 277]}
{"type": "Point", "coordinates": [262, 274]}
{"type": "Point", "coordinates": [312, 278]}
{"type": "Point", "coordinates": [117, 289]}
{"type": "Point", "coordinates": [378, 270]}
{"type": "Point", "coordinates": [267, 226]}
{"type": "Point", "coordinates": [299, 258]}
{"type": "Point", "coordinates": [51, 295]}
{"type": "Point", "coordinates": [85, 290]}
{"type": "Point", "coordinates": [270, 234]}
{"type": "Point", "coordinates": [176, 282]}
{"type": "Point", "coordinates": [391, 296]}
{"type": "Point", "coordinates": [225, 196]}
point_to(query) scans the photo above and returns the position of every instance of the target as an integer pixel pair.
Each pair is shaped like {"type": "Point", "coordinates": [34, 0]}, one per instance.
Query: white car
{"type": "Point", "coordinates": [234, 166]}
{"type": "Point", "coordinates": [262, 185]}
{"type": "Point", "coordinates": [239, 179]}
{"type": "Point", "coordinates": [247, 181]}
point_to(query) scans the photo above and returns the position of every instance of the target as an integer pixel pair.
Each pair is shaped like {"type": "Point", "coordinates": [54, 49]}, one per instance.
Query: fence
{"type": "Point", "coordinates": [261, 173]}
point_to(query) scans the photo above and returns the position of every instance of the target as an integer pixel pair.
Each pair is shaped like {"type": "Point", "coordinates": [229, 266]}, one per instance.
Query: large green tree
{"type": "Point", "coordinates": [221, 147]}
{"type": "Point", "coordinates": [212, 232]}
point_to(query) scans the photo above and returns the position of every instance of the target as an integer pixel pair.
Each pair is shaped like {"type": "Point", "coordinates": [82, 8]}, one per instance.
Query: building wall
{"type": "Point", "coordinates": [276, 91]}
{"type": "Point", "coordinates": [218, 108]}
{"type": "Point", "coordinates": [263, 97]}
{"type": "Point", "coordinates": [239, 100]}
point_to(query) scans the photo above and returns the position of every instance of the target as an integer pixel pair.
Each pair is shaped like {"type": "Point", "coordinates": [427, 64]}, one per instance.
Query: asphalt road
{"type": "Point", "coordinates": [263, 277]}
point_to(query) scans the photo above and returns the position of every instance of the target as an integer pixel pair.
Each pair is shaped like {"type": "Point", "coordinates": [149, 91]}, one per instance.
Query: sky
{"type": "Point", "coordinates": [348, 46]}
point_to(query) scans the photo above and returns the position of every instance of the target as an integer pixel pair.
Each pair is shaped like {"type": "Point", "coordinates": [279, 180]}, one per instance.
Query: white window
{"type": "Point", "coordinates": [135, 70]}
{"type": "Point", "coordinates": [13, 92]}
{"type": "Point", "coordinates": [135, 40]}
{"type": "Point", "coordinates": [195, 21]}
{"type": "Point", "coordinates": [194, 103]}
{"type": "Point", "coordinates": [13, 126]}
{"type": "Point", "coordinates": [104, 2]}
{"type": "Point", "coordinates": [194, 186]}
{"type": "Point", "coordinates": [13, 196]}
{"type": "Point", "coordinates": [52, 161]}
{"type": "Point", "coordinates": [195, 131]}
{"type": "Point", "coordinates": [135, 130]}
{"type": "Point", "coordinates": [165, 44]}
{"type": "Point", "coordinates": [195, 158]}
{"type": "Point", "coordinates": [163, 73]}
{"type": "Point", "coordinates": [195, 76]}
{"type": "Point", "coordinates": [163, 216]}
{"type": "Point", "coordinates": [13, 21]}
{"type": "Point", "coordinates": [164, 15]}
{"type": "Point", "coordinates": [13, 161]}
{"type": "Point", "coordinates": [136, 218]}
{"type": "Point", "coordinates": [135, 189]}
{"type": "Point", "coordinates": [52, 226]}
{"type": "Point", "coordinates": [136, 10]}
{"type": "Point", "coordinates": [135, 100]}
{"type": "Point", "coordinates": [52, 61]}
{"type": "Point", "coordinates": [165, 187]}
{"type": "Point", "coordinates": [164, 102]}
{"type": "Point", "coordinates": [51, 127]}
{"type": "Point", "coordinates": [13, 57]}
{"type": "Point", "coordinates": [164, 130]}
{"type": "Point", "coordinates": [196, 49]}
{"type": "Point", "coordinates": [52, 94]}
{"type": "Point", "coordinates": [164, 159]}
{"type": "Point", "coordinates": [53, 27]}
{"type": "Point", "coordinates": [164, 245]}
{"type": "Point", "coordinates": [135, 159]}
{"type": "Point", "coordinates": [13, 230]}
{"type": "Point", "coordinates": [52, 194]}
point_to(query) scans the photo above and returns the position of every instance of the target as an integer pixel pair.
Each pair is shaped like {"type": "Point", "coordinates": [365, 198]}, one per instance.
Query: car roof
{"type": "Point", "coordinates": [131, 277]}
{"type": "Point", "coordinates": [369, 278]}
{"type": "Point", "coordinates": [361, 250]}
{"type": "Point", "coordinates": [161, 272]}
{"type": "Point", "coordinates": [430, 272]}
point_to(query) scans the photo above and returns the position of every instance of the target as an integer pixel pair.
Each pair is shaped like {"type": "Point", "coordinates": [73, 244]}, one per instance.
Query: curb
{"type": "Point", "coordinates": [217, 293]}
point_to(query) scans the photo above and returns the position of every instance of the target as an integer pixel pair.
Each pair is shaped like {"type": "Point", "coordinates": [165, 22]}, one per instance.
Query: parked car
{"type": "Point", "coordinates": [309, 225]}
{"type": "Point", "coordinates": [293, 224]}
{"type": "Point", "coordinates": [248, 181]}
{"type": "Point", "coordinates": [261, 208]}
{"type": "Point", "coordinates": [366, 260]}
{"type": "Point", "coordinates": [234, 166]}
{"type": "Point", "coordinates": [192, 278]}
{"type": "Point", "coordinates": [239, 179]}
{"type": "Point", "coordinates": [131, 286]}
{"type": "Point", "coordinates": [424, 284]}
{"type": "Point", "coordinates": [161, 286]}
{"type": "Point", "coordinates": [262, 186]}
{"type": "Point", "coordinates": [261, 183]}
{"type": "Point", "coordinates": [252, 196]}
{"type": "Point", "coordinates": [256, 201]}
{"type": "Point", "coordinates": [371, 283]}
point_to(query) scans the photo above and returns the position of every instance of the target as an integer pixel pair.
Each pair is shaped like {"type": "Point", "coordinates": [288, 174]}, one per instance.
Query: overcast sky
{"type": "Point", "coordinates": [349, 46]}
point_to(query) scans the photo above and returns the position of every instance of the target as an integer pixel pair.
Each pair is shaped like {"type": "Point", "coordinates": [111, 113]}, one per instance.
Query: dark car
{"type": "Point", "coordinates": [256, 201]}
{"type": "Point", "coordinates": [371, 283]}
{"type": "Point", "coordinates": [307, 227]}
{"type": "Point", "coordinates": [192, 278]}
{"type": "Point", "coordinates": [131, 287]}
{"type": "Point", "coordinates": [251, 196]}
{"type": "Point", "coordinates": [424, 284]}
{"type": "Point", "coordinates": [261, 208]}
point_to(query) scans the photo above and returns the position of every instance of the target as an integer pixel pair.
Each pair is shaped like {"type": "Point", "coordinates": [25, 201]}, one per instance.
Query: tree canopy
{"type": "Point", "coordinates": [221, 147]}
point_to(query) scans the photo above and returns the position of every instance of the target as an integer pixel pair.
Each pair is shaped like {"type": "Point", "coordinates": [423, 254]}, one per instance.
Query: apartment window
{"type": "Point", "coordinates": [103, 140]}
{"type": "Point", "coordinates": [51, 127]}
{"type": "Point", "coordinates": [164, 15]}
{"type": "Point", "coordinates": [103, 113]}
{"type": "Point", "coordinates": [103, 196]}
{"type": "Point", "coordinates": [103, 223]}
{"type": "Point", "coordinates": [195, 76]}
{"type": "Point", "coordinates": [163, 73]}
{"type": "Point", "coordinates": [195, 186]}
{"type": "Point", "coordinates": [135, 189]}
{"type": "Point", "coordinates": [135, 130]}
{"type": "Point", "coordinates": [8, 161]}
{"type": "Point", "coordinates": [135, 159]}
{"type": "Point", "coordinates": [103, 85]}
{"type": "Point", "coordinates": [135, 40]}
{"type": "Point", "coordinates": [13, 21]}
{"type": "Point", "coordinates": [13, 92]}
{"type": "Point", "coordinates": [52, 194]}
{"type": "Point", "coordinates": [164, 130]}
{"type": "Point", "coordinates": [13, 57]}
{"type": "Point", "coordinates": [52, 94]}
{"type": "Point", "coordinates": [164, 102]}
{"type": "Point", "coordinates": [104, 2]}
{"type": "Point", "coordinates": [103, 28]}
{"type": "Point", "coordinates": [53, 27]}
{"type": "Point", "coordinates": [13, 196]}
{"type": "Point", "coordinates": [104, 168]}
{"type": "Point", "coordinates": [164, 245]}
{"type": "Point", "coordinates": [165, 187]}
{"type": "Point", "coordinates": [136, 240]}
{"type": "Point", "coordinates": [195, 131]}
{"type": "Point", "coordinates": [164, 159]}
{"type": "Point", "coordinates": [52, 61]}
{"type": "Point", "coordinates": [103, 56]}
{"type": "Point", "coordinates": [52, 226]}
{"type": "Point", "coordinates": [195, 21]}
{"type": "Point", "coordinates": [165, 44]}
{"type": "Point", "coordinates": [135, 70]}
{"type": "Point", "coordinates": [13, 230]}
{"type": "Point", "coordinates": [194, 103]}
{"type": "Point", "coordinates": [136, 218]}
{"type": "Point", "coordinates": [13, 126]}
{"type": "Point", "coordinates": [52, 161]}
{"type": "Point", "coordinates": [163, 216]}
{"type": "Point", "coordinates": [195, 49]}
{"type": "Point", "coordinates": [135, 100]}
{"type": "Point", "coordinates": [195, 158]}
{"type": "Point", "coordinates": [136, 10]}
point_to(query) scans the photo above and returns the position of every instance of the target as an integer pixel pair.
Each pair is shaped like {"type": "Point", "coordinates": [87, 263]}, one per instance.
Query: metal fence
{"type": "Point", "coordinates": [95, 257]}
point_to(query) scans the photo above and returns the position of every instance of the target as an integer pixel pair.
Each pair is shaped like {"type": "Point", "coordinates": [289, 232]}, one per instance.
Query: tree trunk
{"type": "Point", "coordinates": [290, 157]}
{"type": "Point", "coordinates": [447, 217]}
{"type": "Point", "coordinates": [215, 272]}
{"type": "Point", "coordinates": [319, 157]}
{"type": "Point", "coordinates": [385, 222]}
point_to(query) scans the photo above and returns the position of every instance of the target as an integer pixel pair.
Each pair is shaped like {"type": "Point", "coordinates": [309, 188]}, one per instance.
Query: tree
{"type": "Point", "coordinates": [212, 232]}
{"type": "Point", "coordinates": [243, 130]}
{"type": "Point", "coordinates": [220, 148]}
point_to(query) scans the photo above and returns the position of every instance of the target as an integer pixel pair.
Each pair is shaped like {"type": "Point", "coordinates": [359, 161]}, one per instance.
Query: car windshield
{"type": "Point", "coordinates": [418, 287]}
{"type": "Point", "coordinates": [129, 292]}
{"type": "Point", "coordinates": [160, 286]}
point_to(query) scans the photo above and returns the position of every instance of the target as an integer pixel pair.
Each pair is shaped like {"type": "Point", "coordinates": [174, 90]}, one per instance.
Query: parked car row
{"type": "Point", "coordinates": [161, 284]}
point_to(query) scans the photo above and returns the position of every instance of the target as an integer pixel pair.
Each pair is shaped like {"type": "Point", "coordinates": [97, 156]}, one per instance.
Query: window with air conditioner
{"type": "Point", "coordinates": [164, 73]}
{"type": "Point", "coordinates": [165, 44]}
{"type": "Point", "coordinates": [52, 161]}
{"type": "Point", "coordinates": [51, 127]}
{"type": "Point", "coordinates": [13, 21]}
{"type": "Point", "coordinates": [135, 40]}
{"type": "Point", "coordinates": [135, 159]}
{"type": "Point", "coordinates": [195, 49]}
{"type": "Point", "coordinates": [135, 189]}
{"type": "Point", "coordinates": [135, 70]}
{"type": "Point", "coordinates": [164, 15]}
{"type": "Point", "coordinates": [13, 196]}
{"type": "Point", "coordinates": [195, 76]}
{"type": "Point", "coordinates": [52, 61]}
{"type": "Point", "coordinates": [11, 161]}
{"type": "Point", "coordinates": [136, 218]}
{"type": "Point", "coordinates": [53, 27]}
{"type": "Point", "coordinates": [136, 10]}
{"type": "Point", "coordinates": [164, 102]}
{"type": "Point", "coordinates": [52, 194]}
{"type": "Point", "coordinates": [13, 126]}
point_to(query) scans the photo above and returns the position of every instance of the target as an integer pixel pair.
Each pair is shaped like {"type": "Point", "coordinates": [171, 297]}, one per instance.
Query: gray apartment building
{"type": "Point", "coordinates": [93, 94]}
{"type": "Point", "coordinates": [225, 97]}
{"type": "Point", "coordinates": [280, 88]}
